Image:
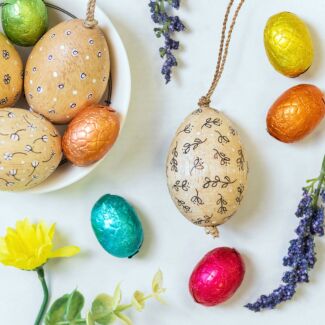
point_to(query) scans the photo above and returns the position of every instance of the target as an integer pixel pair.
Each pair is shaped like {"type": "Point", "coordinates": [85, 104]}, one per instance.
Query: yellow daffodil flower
{"type": "Point", "coordinates": [30, 246]}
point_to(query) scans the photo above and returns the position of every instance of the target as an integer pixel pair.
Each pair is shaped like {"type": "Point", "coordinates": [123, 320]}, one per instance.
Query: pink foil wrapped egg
{"type": "Point", "coordinates": [217, 276]}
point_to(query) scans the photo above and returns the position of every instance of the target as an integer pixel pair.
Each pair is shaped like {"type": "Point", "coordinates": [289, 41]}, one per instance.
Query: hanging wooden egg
{"type": "Point", "coordinates": [30, 149]}
{"type": "Point", "coordinates": [207, 169]}
{"type": "Point", "coordinates": [67, 71]}
{"type": "Point", "coordinates": [11, 73]}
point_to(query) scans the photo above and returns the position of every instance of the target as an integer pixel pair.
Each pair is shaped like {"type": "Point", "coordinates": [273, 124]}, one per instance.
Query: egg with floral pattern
{"type": "Point", "coordinates": [11, 73]}
{"type": "Point", "coordinates": [67, 70]}
{"type": "Point", "coordinates": [30, 149]}
{"type": "Point", "coordinates": [207, 169]}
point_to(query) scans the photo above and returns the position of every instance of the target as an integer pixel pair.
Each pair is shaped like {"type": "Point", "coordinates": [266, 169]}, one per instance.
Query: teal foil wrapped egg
{"type": "Point", "coordinates": [117, 226]}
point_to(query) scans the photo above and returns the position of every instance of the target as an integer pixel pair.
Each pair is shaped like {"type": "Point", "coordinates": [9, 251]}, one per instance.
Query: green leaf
{"type": "Point", "coordinates": [10, 2]}
{"type": "Point", "coordinates": [103, 310]}
{"type": "Point", "coordinates": [117, 296]}
{"type": "Point", "coordinates": [66, 310]}
{"type": "Point", "coordinates": [74, 306]}
{"type": "Point", "coordinates": [124, 319]}
{"type": "Point", "coordinates": [138, 301]}
{"type": "Point", "coordinates": [57, 311]}
{"type": "Point", "coordinates": [90, 319]}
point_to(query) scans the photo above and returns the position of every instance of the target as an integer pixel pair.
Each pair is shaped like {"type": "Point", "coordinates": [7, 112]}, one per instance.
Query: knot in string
{"type": "Point", "coordinates": [223, 52]}
{"type": "Point", "coordinates": [204, 101]}
{"type": "Point", "coordinates": [90, 21]}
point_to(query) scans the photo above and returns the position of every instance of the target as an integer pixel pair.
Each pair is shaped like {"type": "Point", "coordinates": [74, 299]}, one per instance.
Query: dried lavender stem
{"type": "Point", "coordinates": [321, 180]}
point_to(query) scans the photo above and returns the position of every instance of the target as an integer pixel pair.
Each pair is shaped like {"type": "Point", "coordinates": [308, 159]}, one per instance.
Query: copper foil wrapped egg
{"type": "Point", "coordinates": [90, 135]}
{"type": "Point", "coordinates": [296, 113]}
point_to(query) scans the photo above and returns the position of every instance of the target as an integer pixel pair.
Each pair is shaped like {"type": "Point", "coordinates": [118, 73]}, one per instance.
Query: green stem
{"type": "Point", "coordinates": [41, 276]}
{"type": "Point", "coordinates": [125, 307]}
{"type": "Point", "coordinates": [321, 180]}
{"type": "Point", "coordinates": [162, 6]}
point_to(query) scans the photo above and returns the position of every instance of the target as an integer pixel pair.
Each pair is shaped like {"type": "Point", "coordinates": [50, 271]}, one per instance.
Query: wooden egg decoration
{"type": "Point", "coordinates": [207, 169]}
{"type": "Point", "coordinates": [11, 73]}
{"type": "Point", "coordinates": [67, 71]}
{"type": "Point", "coordinates": [30, 149]}
{"type": "Point", "coordinates": [91, 134]}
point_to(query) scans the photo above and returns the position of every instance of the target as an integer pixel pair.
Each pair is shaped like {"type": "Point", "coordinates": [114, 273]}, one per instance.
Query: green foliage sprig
{"type": "Point", "coordinates": [105, 310]}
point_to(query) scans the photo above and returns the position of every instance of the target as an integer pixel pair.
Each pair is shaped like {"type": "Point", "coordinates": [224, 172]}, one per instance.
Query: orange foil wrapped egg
{"type": "Point", "coordinates": [90, 135]}
{"type": "Point", "coordinates": [296, 113]}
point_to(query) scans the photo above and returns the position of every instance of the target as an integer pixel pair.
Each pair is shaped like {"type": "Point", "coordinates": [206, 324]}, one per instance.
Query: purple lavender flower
{"type": "Point", "coordinates": [168, 25]}
{"type": "Point", "coordinates": [301, 256]}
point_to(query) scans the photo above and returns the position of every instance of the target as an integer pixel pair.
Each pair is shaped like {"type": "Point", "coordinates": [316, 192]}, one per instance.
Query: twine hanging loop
{"type": "Point", "coordinates": [90, 21]}
{"type": "Point", "coordinates": [223, 52]}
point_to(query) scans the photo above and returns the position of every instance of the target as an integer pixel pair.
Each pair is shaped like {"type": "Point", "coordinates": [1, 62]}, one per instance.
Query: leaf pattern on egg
{"type": "Point", "coordinates": [30, 149]}
{"type": "Point", "coordinates": [207, 168]}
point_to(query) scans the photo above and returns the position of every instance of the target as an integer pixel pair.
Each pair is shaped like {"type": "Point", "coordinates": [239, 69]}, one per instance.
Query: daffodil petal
{"type": "Point", "coordinates": [29, 246]}
{"type": "Point", "coordinates": [52, 231]}
{"type": "Point", "coordinates": [67, 251]}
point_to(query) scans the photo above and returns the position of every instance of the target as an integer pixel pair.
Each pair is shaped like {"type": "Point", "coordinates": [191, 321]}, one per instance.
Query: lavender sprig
{"type": "Point", "coordinates": [168, 25]}
{"type": "Point", "coordinates": [301, 256]}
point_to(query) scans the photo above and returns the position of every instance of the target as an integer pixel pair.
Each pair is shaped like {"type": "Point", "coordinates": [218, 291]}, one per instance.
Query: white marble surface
{"type": "Point", "coordinates": [135, 170]}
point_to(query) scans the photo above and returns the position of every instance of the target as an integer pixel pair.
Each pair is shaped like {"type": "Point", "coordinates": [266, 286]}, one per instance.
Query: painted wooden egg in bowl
{"type": "Point", "coordinates": [75, 72]}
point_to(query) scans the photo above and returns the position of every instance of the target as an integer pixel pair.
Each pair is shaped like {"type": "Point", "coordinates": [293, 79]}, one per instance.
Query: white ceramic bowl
{"type": "Point", "coordinates": [68, 174]}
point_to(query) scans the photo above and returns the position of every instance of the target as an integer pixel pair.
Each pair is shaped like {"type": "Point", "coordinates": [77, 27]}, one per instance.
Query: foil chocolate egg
{"type": "Point", "coordinates": [207, 169]}
{"type": "Point", "coordinates": [90, 135]}
{"type": "Point", "coordinates": [296, 113]}
{"type": "Point", "coordinates": [24, 21]}
{"type": "Point", "coordinates": [217, 276]}
{"type": "Point", "coordinates": [117, 226]}
{"type": "Point", "coordinates": [67, 70]}
{"type": "Point", "coordinates": [288, 44]}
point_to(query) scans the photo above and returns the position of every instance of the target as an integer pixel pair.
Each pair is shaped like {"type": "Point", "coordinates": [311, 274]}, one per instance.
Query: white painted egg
{"type": "Point", "coordinates": [11, 73]}
{"type": "Point", "coordinates": [30, 149]}
{"type": "Point", "coordinates": [67, 71]}
{"type": "Point", "coordinates": [207, 169]}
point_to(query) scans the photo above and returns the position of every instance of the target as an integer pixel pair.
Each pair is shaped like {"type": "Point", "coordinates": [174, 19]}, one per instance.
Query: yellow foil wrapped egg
{"type": "Point", "coordinates": [288, 44]}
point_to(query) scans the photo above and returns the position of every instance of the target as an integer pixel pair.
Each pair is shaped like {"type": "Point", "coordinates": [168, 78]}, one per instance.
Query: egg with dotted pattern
{"type": "Point", "coordinates": [207, 169]}
{"type": "Point", "coordinates": [30, 149]}
{"type": "Point", "coordinates": [67, 70]}
{"type": "Point", "coordinates": [11, 73]}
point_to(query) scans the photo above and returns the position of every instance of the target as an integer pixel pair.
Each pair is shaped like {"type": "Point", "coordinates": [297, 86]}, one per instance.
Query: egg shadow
{"type": "Point", "coordinates": [149, 235]}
